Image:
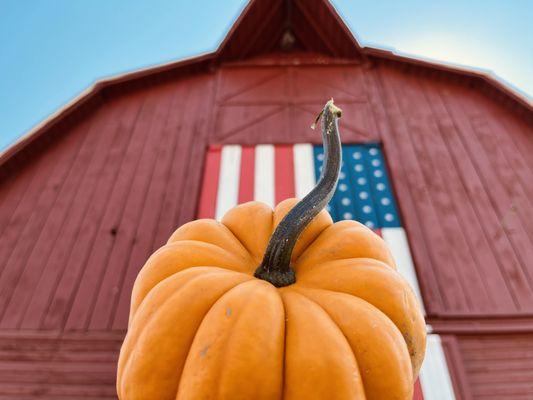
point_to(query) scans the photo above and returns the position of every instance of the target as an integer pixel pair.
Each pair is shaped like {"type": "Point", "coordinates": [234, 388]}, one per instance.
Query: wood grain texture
{"type": "Point", "coordinates": [498, 367]}
{"type": "Point", "coordinates": [386, 126]}
{"type": "Point", "coordinates": [43, 366]}
{"type": "Point", "coordinates": [457, 184]}
{"type": "Point", "coordinates": [106, 170]}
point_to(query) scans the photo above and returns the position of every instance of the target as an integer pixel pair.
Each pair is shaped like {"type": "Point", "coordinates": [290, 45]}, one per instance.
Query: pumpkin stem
{"type": "Point", "coordinates": [275, 267]}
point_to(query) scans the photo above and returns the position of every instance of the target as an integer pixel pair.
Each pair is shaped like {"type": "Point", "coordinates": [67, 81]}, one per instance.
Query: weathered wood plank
{"type": "Point", "coordinates": [134, 229]}
{"type": "Point", "coordinates": [109, 230]}
{"type": "Point", "coordinates": [42, 167]}
{"type": "Point", "coordinates": [520, 133]}
{"type": "Point", "coordinates": [401, 147]}
{"type": "Point", "coordinates": [13, 190]}
{"type": "Point", "coordinates": [40, 204]}
{"type": "Point", "coordinates": [516, 177]}
{"type": "Point", "coordinates": [423, 133]}
{"type": "Point", "coordinates": [492, 375]}
{"type": "Point", "coordinates": [500, 202]}
{"type": "Point", "coordinates": [491, 238]}
{"type": "Point", "coordinates": [160, 219]}
{"type": "Point", "coordinates": [105, 135]}
{"type": "Point", "coordinates": [469, 226]}
{"type": "Point", "coordinates": [49, 239]}
{"type": "Point", "coordinates": [427, 276]}
{"type": "Point", "coordinates": [59, 306]}
{"type": "Point", "coordinates": [202, 130]}
{"type": "Point", "coordinates": [189, 155]}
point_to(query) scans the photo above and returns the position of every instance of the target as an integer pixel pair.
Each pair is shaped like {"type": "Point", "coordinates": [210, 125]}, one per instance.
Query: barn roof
{"type": "Point", "coordinates": [264, 26]}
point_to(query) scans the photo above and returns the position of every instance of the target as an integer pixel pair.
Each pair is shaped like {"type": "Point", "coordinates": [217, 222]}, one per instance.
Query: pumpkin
{"type": "Point", "coordinates": [272, 304]}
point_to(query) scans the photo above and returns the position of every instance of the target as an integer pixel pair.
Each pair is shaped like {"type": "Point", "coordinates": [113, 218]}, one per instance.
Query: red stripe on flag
{"type": "Point", "coordinates": [246, 182]}
{"type": "Point", "coordinates": [377, 231]}
{"type": "Point", "coordinates": [284, 172]}
{"type": "Point", "coordinates": [208, 196]}
{"type": "Point", "coordinates": [418, 394]}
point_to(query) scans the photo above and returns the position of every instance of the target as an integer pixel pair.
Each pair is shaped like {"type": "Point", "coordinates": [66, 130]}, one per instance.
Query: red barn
{"type": "Point", "coordinates": [91, 192]}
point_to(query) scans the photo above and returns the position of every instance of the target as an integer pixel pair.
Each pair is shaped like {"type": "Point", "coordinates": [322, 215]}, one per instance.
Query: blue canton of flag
{"type": "Point", "coordinates": [364, 192]}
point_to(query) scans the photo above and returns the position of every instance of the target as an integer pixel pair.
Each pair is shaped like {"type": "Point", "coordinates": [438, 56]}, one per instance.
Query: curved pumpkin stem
{"type": "Point", "coordinates": [275, 267]}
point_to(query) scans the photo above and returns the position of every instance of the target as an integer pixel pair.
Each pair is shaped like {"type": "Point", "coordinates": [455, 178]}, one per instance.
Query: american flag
{"type": "Point", "coordinates": [235, 174]}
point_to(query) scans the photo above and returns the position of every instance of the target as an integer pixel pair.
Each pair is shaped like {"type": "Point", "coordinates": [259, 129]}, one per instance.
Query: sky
{"type": "Point", "coordinates": [51, 51]}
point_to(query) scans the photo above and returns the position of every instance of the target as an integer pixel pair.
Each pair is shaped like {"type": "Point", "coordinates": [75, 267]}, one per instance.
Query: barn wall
{"type": "Point", "coordinates": [461, 168]}
{"type": "Point", "coordinates": [78, 221]}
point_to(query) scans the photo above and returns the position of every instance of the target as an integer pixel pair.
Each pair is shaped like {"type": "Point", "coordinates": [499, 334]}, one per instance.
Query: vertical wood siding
{"type": "Point", "coordinates": [97, 203]}
{"type": "Point", "coordinates": [465, 208]}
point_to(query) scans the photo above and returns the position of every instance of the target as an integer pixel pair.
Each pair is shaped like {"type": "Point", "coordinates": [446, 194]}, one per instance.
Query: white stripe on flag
{"type": "Point", "coordinates": [304, 169]}
{"type": "Point", "coordinates": [228, 182]}
{"type": "Point", "coordinates": [434, 376]}
{"type": "Point", "coordinates": [399, 247]}
{"type": "Point", "coordinates": [264, 174]}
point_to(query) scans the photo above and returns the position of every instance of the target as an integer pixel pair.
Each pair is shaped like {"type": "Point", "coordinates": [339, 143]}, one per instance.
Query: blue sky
{"type": "Point", "coordinates": [52, 50]}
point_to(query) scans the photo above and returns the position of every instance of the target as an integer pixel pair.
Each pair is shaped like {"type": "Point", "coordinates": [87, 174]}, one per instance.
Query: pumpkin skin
{"type": "Point", "coordinates": [203, 327]}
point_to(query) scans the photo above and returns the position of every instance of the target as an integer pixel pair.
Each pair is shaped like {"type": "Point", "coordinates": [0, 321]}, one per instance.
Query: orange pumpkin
{"type": "Point", "coordinates": [272, 304]}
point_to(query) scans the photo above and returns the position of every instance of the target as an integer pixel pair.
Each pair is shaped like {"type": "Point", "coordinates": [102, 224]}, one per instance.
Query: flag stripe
{"type": "Point", "coordinates": [435, 381]}
{"type": "Point", "coordinates": [228, 182]}
{"type": "Point", "coordinates": [246, 183]}
{"type": "Point", "coordinates": [264, 187]}
{"type": "Point", "coordinates": [284, 174]}
{"type": "Point", "coordinates": [304, 169]}
{"type": "Point", "coordinates": [396, 239]}
{"type": "Point", "coordinates": [208, 196]}
{"type": "Point", "coordinates": [434, 376]}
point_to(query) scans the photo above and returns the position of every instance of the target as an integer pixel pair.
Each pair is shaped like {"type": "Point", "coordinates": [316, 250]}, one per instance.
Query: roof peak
{"type": "Point", "coordinates": [267, 26]}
